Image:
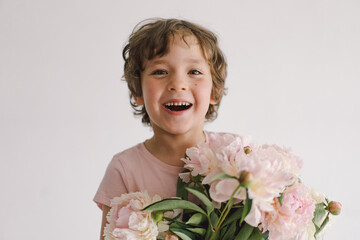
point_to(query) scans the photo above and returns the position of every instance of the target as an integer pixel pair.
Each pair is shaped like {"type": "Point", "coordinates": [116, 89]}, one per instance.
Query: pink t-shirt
{"type": "Point", "coordinates": [136, 169]}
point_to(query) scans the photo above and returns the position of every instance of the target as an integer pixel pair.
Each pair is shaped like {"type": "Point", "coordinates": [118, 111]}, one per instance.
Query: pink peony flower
{"type": "Point", "coordinates": [200, 160]}
{"type": "Point", "coordinates": [221, 190]}
{"type": "Point", "coordinates": [127, 221]}
{"type": "Point", "coordinates": [203, 159]}
{"type": "Point", "coordinates": [290, 220]}
{"type": "Point", "coordinates": [269, 176]}
{"type": "Point", "coordinates": [291, 163]}
{"type": "Point", "coordinates": [271, 167]}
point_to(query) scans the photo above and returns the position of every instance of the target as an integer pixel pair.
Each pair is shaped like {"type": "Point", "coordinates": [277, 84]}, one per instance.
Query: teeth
{"type": "Point", "coordinates": [177, 104]}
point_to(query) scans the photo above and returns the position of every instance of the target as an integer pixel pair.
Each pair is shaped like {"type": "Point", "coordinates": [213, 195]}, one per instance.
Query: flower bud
{"type": "Point", "coordinates": [157, 216]}
{"type": "Point", "coordinates": [245, 178]}
{"type": "Point", "coordinates": [247, 150]}
{"type": "Point", "coordinates": [334, 208]}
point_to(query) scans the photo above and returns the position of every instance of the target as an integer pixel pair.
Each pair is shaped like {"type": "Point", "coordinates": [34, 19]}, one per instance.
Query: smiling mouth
{"type": "Point", "coordinates": [178, 106]}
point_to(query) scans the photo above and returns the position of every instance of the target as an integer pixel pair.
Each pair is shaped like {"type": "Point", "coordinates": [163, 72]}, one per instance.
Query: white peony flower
{"type": "Point", "coordinates": [127, 221]}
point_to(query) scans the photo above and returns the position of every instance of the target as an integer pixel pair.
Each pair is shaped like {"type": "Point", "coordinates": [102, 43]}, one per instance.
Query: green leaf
{"type": "Point", "coordinates": [183, 234]}
{"type": "Point", "coordinates": [247, 207]}
{"type": "Point", "coordinates": [214, 218]}
{"type": "Point", "coordinates": [196, 219]}
{"type": "Point", "coordinates": [223, 231]}
{"type": "Point", "coordinates": [229, 233]}
{"type": "Point", "coordinates": [170, 204]}
{"type": "Point", "coordinates": [280, 198]}
{"type": "Point", "coordinates": [180, 189]}
{"type": "Point", "coordinates": [236, 215]}
{"type": "Point", "coordinates": [245, 232]}
{"type": "Point", "coordinates": [178, 224]}
{"type": "Point", "coordinates": [326, 221]}
{"type": "Point", "coordinates": [216, 236]}
{"type": "Point", "coordinates": [256, 235]}
{"type": "Point", "coordinates": [266, 235]}
{"type": "Point", "coordinates": [208, 204]}
{"type": "Point", "coordinates": [208, 231]}
{"type": "Point", "coordinates": [200, 231]}
{"type": "Point", "coordinates": [197, 179]}
{"type": "Point", "coordinates": [319, 215]}
{"type": "Point", "coordinates": [222, 176]}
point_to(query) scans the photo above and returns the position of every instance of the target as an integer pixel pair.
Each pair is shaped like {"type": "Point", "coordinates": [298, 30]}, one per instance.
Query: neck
{"type": "Point", "coordinates": [170, 148]}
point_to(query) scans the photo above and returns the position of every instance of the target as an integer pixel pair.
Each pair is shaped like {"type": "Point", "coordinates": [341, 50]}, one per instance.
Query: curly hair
{"type": "Point", "coordinates": [150, 38]}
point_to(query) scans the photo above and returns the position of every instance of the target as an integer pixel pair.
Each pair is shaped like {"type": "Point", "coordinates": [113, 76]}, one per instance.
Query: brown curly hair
{"type": "Point", "coordinates": [150, 39]}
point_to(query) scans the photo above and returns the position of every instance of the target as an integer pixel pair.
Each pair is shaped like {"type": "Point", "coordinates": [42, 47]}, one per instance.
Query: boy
{"type": "Point", "coordinates": [176, 73]}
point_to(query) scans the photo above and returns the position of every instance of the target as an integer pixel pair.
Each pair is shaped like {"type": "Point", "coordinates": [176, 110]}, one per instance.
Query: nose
{"type": "Point", "coordinates": [177, 83]}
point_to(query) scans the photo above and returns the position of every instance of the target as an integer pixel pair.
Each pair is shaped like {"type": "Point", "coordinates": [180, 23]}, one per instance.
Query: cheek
{"type": "Point", "coordinates": [205, 88]}
{"type": "Point", "coordinates": [150, 92]}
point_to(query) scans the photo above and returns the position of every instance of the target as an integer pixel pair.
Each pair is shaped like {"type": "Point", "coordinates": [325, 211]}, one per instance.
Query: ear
{"type": "Point", "coordinates": [138, 100]}
{"type": "Point", "coordinates": [214, 93]}
{"type": "Point", "coordinates": [213, 101]}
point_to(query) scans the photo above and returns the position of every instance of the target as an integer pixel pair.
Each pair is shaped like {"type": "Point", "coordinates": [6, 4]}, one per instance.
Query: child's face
{"type": "Point", "coordinates": [177, 87]}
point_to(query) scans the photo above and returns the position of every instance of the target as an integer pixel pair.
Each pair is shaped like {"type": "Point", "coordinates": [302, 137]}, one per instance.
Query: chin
{"type": "Point", "coordinates": [178, 127]}
{"type": "Point", "coordinates": [177, 131]}
{"type": "Point", "coordinates": [180, 130]}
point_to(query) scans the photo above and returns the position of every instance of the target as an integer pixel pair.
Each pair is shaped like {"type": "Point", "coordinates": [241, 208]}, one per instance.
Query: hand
{"type": "Point", "coordinates": [170, 236]}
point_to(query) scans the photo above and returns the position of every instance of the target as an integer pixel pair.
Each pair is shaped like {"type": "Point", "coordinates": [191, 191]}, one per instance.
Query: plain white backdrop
{"type": "Point", "coordinates": [293, 79]}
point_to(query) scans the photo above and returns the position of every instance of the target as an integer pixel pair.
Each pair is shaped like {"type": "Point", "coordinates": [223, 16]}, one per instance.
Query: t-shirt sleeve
{"type": "Point", "coordinates": [112, 184]}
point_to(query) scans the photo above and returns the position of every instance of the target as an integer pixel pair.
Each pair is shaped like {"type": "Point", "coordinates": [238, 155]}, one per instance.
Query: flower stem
{"type": "Point", "coordinates": [224, 212]}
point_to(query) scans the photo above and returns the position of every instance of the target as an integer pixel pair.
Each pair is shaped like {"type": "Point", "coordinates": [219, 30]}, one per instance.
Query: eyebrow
{"type": "Point", "coordinates": [161, 61]}
{"type": "Point", "coordinates": [196, 61]}
{"type": "Point", "coordinates": [158, 61]}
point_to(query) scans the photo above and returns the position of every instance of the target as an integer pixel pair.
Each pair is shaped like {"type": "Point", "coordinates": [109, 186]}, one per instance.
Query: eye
{"type": "Point", "coordinates": [194, 72]}
{"type": "Point", "coordinates": [159, 72]}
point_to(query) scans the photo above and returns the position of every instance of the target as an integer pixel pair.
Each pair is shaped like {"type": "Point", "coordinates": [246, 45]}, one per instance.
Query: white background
{"type": "Point", "coordinates": [293, 79]}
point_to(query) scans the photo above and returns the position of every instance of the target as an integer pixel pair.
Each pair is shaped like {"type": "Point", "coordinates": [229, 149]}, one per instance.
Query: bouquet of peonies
{"type": "Point", "coordinates": [241, 191]}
